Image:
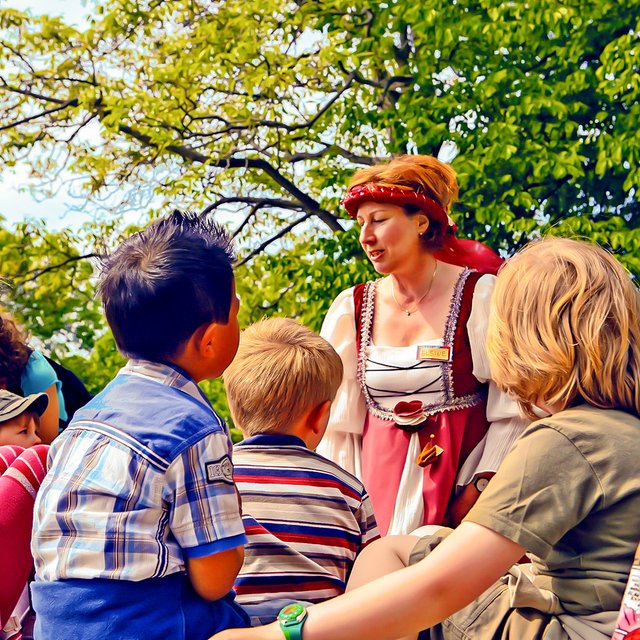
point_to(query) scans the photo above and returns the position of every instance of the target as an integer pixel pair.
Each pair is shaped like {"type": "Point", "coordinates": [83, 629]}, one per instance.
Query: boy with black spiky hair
{"type": "Point", "coordinates": [137, 528]}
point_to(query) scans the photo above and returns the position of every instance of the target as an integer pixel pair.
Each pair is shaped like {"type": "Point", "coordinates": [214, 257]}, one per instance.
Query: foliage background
{"type": "Point", "coordinates": [258, 112]}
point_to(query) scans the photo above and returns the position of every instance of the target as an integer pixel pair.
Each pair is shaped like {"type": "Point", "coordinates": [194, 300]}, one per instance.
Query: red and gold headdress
{"type": "Point", "coordinates": [464, 253]}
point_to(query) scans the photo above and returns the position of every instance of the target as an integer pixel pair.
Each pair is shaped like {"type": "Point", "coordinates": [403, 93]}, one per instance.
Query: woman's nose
{"type": "Point", "coordinates": [366, 234]}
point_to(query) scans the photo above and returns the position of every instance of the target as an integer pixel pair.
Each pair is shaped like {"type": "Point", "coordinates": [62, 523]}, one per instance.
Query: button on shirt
{"type": "Point", "coordinates": [141, 480]}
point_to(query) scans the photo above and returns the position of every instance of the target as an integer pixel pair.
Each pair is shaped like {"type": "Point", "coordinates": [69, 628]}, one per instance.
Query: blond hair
{"type": "Point", "coordinates": [281, 370]}
{"type": "Point", "coordinates": [564, 328]}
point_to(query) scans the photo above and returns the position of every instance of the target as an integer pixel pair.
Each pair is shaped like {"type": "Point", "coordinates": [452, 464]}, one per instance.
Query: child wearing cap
{"type": "Point", "coordinates": [22, 468]}
{"type": "Point", "coordinates": [20, 418]}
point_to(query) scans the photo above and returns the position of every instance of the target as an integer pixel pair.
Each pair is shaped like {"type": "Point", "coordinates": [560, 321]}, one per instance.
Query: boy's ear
{"type": "Point", "coordinates": [205, 343]}
{"type": "Point", "coordinates": [319, 417]}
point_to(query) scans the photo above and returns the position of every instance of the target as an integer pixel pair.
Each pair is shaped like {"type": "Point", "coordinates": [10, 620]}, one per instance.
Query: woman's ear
{"type": "Point", "coordinates": [422, 223]}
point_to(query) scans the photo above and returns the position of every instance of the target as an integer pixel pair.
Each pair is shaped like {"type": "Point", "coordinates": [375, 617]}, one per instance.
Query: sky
{"type": "Point", "coordinates": [16, 202]}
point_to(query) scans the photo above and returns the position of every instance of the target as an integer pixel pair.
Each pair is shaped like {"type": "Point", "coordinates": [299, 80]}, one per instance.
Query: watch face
{"type": "Point", "coordinates": [291, 612]}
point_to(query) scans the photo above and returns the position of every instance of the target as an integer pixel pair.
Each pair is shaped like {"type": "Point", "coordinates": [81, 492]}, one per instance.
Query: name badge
{"type": "Point", "coordinates": [436, 354]}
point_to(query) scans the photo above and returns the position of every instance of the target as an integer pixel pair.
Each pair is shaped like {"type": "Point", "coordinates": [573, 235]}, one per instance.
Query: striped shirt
{"type": "Point", "coordinates": [141, 480]}
{"type": "Point", "coordinates": [306, 520]}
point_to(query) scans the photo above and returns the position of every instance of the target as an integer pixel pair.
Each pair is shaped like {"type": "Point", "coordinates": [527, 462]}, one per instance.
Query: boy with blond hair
{"type": "Point", "coordinates": [306, 518]}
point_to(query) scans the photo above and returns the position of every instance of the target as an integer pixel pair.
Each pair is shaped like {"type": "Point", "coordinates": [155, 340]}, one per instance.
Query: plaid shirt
{"type": "Point", "coordinates": [140, 480]}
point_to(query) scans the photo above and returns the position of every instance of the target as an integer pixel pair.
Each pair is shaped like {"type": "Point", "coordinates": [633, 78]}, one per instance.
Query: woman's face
{"type": "Point", "coordinates": [389, 237]}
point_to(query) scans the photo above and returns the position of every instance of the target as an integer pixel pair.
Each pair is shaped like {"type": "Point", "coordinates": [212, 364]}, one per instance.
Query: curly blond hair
{"type": "Point", "coordinates": [565, 328]}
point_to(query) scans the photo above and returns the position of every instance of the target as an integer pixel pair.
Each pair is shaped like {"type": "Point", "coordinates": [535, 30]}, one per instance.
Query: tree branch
{"type": "Point", "coordinates": [252, 212]}
{"type": "Point", "coordinates": [333, 148]}
{"type": "Point", "coordinates": [192, 155]}
{"type": "Point", "coordinates": [31, 94]}
{"type": "Point", "coordinates": [53, 267]}
{"type": "Point", "coordinates": [64, 105]}
{"type": "Point", "coordinates": [264, 202]}
{"type": "Point", "coordinates": [277, 236]}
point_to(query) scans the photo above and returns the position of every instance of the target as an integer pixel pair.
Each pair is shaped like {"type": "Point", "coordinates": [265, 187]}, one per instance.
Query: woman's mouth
{"type": "Point", "coordinates": [376, 254]}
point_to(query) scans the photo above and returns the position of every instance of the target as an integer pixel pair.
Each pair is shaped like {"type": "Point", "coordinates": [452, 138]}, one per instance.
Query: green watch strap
{"type": "Point", "coordinates": [292, 618]}
{"type": "Point", "coordinates": [292, 633]}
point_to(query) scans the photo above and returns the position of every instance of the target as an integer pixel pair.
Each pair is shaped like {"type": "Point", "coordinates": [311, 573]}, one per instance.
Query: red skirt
{"type": "Point", "coordinates": [384, 451]}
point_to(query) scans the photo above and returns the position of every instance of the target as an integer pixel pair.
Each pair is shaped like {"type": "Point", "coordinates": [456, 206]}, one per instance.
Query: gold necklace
{"type": "Point", "coordinates": [422, 297]}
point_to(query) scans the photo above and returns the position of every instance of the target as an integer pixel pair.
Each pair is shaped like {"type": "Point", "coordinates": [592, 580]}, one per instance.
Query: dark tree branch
{"type": "Point", "coordinates": [252, 212]}
{"type": "Point", "coordinates": [309, 123]}
{"type": "Point", "coordinates": [264, 202]}
{"type": "Point", "coordinates": [332, 148]}
{"type": "Point", "coordinates": [277, 236]}
{"type": "Point", "coordinates": [192, 155]}
{"type": "Point", "coordinates": [64, 105]}
{"type": "Point", "coordinates": [39, 272]}
{"type": "Point", "coordinates": [37, 96]}
{"type": "Point", "coordinates": [84, 123]}
{"type": "Point", "coordinates": [384, 83]}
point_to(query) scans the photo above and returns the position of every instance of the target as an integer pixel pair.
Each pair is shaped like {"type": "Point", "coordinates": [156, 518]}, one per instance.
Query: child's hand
{"type": "Point", "coordinates": [268, 632]}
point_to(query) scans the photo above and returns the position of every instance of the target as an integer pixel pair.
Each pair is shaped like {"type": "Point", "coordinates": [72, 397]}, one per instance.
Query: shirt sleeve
{"type": "Point", "coordinates": [524, 505]}
{"type": "Point", "coordinates": [204, 511]}
{"type": "Point", "coordinates": [345, 449]}
{"type": "Point", "coordinates": [348, 410]}
{"type": "Point", "coordinates": [503, 414]}
{"type": "Point", "coordinates": [38, 375]}
{"type": "Point", "coordinates": [367, 521]}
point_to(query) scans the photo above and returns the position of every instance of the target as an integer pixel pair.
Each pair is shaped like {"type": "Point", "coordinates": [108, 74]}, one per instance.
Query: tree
{"type": "Point", "coordinates": [263, 109]}
{"type": "Point", "coordinates": [269, 106]}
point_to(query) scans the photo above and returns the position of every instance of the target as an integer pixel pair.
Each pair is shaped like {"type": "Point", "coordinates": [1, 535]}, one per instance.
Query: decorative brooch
{"type": "Point", "coordinates": [411, 417]}
{"type": "Point", "coordinates": [430, 453]}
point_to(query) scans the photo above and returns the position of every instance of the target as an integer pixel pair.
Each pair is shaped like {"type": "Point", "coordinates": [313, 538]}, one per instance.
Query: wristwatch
{"type": "Point", "coordinates": [480, 484]}
{"type": "Point", "coordinates": [292, 618]}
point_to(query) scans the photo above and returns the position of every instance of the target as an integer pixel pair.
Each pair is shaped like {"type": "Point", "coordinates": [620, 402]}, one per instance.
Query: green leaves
{"type": "Point", "coordinates": [193, 103]}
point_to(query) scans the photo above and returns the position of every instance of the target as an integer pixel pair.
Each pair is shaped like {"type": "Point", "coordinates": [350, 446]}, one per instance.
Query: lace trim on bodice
{"type": "Point", "coordinates": [448, 400]}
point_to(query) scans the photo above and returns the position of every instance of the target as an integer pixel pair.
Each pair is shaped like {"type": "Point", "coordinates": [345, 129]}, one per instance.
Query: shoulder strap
{"type": "Point", "coordinates": [74, 392]}
{"type": "Point", "coordinates": [358, 298]}
{"type": "Point", "coordinates": [464, 382]}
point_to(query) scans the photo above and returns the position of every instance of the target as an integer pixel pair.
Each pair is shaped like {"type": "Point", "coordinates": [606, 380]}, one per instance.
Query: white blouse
{"type": "Point", "coordinates": [394, 373]}
{"type": "Point", "coordinates": [343, 440]}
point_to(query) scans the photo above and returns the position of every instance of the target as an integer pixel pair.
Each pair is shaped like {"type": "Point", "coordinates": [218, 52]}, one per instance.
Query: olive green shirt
{"type": "Point", "coordinates": [569, 493]}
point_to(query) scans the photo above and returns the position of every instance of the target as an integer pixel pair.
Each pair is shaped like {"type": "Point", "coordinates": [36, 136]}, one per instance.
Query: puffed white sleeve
{"type": "Point", "coordinates": [503, 414]}
{"type": "Point", "coordinates": [342, 441]}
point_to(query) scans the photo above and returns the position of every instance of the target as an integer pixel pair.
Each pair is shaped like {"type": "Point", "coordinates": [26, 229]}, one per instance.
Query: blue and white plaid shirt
{"type": "Point", "coordinates": [141, 480]}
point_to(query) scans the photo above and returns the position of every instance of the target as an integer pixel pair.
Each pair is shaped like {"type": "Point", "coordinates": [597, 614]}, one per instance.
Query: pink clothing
{"type": "Point", "coordinates": [385, 448]}
{"type": "Point", "coordinates": [459, 396]}
{"type": "Point", "coordinates": [458, 423]}
{"type": "Point", "coordinates": [22, 472]}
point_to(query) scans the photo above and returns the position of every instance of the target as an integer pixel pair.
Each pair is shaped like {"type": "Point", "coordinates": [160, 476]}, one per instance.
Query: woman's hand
{"type": "Point", "coordinates": [463, 503]}
{"type": "Point", "coordinates": [268, 632]}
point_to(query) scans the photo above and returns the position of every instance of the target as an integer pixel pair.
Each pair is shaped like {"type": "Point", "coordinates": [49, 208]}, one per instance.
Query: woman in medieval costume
{"type": "Point", "coordinates": [417, 417]}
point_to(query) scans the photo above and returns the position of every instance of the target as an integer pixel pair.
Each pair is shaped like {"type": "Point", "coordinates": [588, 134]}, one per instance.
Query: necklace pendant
{"type": "Point", "coordinates": [408, 312]}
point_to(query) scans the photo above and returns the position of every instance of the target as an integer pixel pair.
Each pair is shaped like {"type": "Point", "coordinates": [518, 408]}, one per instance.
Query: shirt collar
{"type": "Point", "coordinates": [169, 374]}
{"type": "Point", "coordinates": [275, 440]}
